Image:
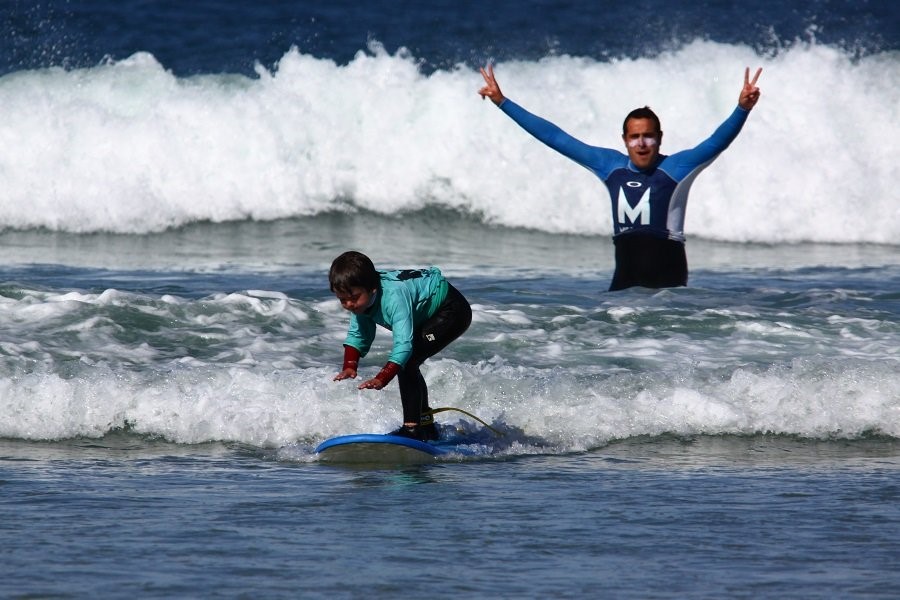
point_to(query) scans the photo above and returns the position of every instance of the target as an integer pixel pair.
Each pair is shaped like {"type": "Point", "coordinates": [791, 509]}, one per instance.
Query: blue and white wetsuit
{"type": "Point", "coordinates": [649, 203]}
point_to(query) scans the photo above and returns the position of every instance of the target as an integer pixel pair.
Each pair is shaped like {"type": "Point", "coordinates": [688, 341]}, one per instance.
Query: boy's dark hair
{"type": "Point", "coordinates": [353, 269]}
{"type": "Point", "coordinates": [641, 113]}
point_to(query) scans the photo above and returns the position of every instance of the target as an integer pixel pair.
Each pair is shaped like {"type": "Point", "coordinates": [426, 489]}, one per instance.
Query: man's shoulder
{"type": "Point", "coordinates": [607, 161]}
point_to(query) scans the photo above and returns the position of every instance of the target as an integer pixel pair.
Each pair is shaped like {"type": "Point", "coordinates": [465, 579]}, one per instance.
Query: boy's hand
{"type": "Point", "coordinates": [372, 384]}
{"type": "Point", "coordinates": [345, 374]}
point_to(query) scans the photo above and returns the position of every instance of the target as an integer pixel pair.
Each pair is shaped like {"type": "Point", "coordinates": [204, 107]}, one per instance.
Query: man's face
{"type": "Point", "coordinates": [642, 141]}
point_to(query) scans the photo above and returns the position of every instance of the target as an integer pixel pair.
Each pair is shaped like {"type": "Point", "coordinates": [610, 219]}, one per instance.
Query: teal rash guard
{"type": "Point", "coordinates": [405, 299]}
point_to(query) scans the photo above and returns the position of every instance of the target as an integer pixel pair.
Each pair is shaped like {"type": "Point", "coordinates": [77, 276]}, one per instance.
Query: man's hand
{"type": "Point", "coordinates": [749, 93]}
{"type": "Point", "coordinates": [491, 89]}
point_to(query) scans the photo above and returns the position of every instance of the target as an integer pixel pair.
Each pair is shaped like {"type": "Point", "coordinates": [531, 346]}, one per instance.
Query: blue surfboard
{"type": "Point", "coordinates": [374, 448]}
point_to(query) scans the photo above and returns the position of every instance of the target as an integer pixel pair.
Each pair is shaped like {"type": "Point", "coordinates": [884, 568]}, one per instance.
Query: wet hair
{"type": "Point", "coordinates": [353, 269]}
{"type": "Point", "coordinates": [641, 113]}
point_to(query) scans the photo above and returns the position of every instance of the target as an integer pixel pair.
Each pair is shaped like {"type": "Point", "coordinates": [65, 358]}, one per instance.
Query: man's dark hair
{"type": "Point", "coordinates": [353, 269]}
{"type": "Point", "coordinates": [641, 113]}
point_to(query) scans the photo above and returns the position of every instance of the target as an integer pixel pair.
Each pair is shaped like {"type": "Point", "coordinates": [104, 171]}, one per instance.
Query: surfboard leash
{"type": "Point", "coordinates": [434, 411]}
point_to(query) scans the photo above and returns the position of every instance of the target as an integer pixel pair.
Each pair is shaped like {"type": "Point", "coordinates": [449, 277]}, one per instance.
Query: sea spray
{"type": "Point", "coordinates": [128, 147]}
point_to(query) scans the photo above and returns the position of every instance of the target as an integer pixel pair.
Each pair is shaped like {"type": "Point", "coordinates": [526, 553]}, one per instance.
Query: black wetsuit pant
{"type": "Point", "coordinates": [646, 261]}
{"type": "Point", "coordinates": [449, 322]}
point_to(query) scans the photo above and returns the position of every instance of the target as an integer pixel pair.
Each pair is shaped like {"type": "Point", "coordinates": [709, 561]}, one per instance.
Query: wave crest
{"type": "Point", "coordinates": [128, 147]}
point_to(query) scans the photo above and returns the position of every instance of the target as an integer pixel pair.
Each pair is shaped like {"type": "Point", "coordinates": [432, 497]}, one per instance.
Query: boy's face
{"type": "Point", "coordinates": [357, 300]}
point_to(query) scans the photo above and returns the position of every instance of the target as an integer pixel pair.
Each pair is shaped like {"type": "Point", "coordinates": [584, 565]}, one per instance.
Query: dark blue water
{"type": "Point", "coordinates": [214, 36]}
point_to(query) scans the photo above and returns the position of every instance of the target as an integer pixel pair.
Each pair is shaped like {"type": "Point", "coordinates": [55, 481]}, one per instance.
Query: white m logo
{"type": "Point", "coordinates": [639, 215]}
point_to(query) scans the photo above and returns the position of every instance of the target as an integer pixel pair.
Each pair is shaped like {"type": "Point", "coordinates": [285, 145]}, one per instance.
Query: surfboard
{"type": "Point", "coordinates": [374, 448]}
{"type": "Point", "coordinates": [384, 448]}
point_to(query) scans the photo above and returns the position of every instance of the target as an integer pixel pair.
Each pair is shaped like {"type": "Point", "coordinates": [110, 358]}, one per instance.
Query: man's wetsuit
{"type": "Point", "coordinates": [648, 207]}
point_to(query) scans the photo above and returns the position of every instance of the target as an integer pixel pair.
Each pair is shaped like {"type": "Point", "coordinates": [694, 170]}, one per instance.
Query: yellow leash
{"type": "Point", "coordinates": [434, 411]}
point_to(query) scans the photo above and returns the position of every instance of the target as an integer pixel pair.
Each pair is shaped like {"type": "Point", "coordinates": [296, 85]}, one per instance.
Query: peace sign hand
{"type": "Point", "coordinates": [749, 93]}
{"type": "Point", "coordinates": [491, 89]}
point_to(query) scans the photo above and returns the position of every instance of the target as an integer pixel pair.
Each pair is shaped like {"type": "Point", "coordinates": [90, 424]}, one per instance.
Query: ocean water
{"type": "Point", "coordinates": [176, 179]}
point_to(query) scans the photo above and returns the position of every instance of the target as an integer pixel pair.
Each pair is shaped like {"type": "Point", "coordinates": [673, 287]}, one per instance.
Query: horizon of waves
{"type": "Point", "coordinates": [127, 147]}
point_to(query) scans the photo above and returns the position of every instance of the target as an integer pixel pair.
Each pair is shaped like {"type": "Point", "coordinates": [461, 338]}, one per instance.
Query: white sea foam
{"type": "Point", "coordinates": [257, 367]}
{"type": "Point", "coordinates": [554, 408]}
{"type": "Point", "coordinates": [128, 147]}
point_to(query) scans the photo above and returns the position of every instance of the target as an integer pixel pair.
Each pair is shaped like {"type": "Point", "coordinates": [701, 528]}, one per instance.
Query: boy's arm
{"type": "Point", "coordinates": [359, 339]}
{"type": "Point", "coordinates": [384, 377]}
{"type": "Point", "coordinates": [397, 310]}
{"type": "Point", "coordinates": [351, 364]}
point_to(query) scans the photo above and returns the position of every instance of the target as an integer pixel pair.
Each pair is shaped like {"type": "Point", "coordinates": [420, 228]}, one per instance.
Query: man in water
{"type": "Point", "coordinates": [649, 190]}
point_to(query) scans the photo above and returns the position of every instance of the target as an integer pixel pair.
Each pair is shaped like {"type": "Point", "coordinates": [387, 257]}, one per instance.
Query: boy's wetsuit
{"type": "Point", "coordinates": [648, 207]}
{"type": "Point", "coordinates": [424, 313]}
